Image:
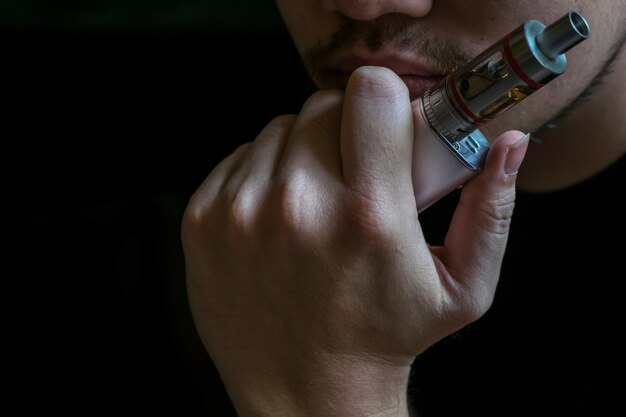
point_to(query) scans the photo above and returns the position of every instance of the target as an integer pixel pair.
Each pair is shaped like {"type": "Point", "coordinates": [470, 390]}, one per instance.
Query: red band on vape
{"type": "Point", "coordinates": [506, 45]}
{"type": "Point", "coordinates": [464, 109]}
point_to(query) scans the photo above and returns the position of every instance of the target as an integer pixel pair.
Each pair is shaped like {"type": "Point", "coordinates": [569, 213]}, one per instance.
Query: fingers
{"type": "Point", "coordinates": [212, 184]}
{"type": "Point", "coordinates": [475, 243]}
{"type": "Point", "coordinates": [313, 146]}
{"type": "Point", "coordinates": [258, 159]}
{"type": "Point", "coordinates": [263, 158]}
{"type": "Point", "coordinates": [377, 134]}
{"type": "Point", "coordinates": [367, 137]}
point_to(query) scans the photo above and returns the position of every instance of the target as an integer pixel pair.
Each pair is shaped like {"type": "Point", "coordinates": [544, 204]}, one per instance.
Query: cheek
{"type": "Point", "coordinates": [583, 62]}
{"type": "Point", "coordinates": [544, 104]}
{"type": "Point", "coordinates": [489, 19]}
{"type": "Point", "coordinates": [527, 115]}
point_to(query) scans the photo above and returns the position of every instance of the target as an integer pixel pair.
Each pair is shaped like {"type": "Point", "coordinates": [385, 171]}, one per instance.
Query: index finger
{"type": "Point", "coordinates": [377, 133]}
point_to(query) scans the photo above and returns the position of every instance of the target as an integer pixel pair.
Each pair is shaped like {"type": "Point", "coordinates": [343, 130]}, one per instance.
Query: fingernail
{"type": "Point", "coordinates": [515, 155]}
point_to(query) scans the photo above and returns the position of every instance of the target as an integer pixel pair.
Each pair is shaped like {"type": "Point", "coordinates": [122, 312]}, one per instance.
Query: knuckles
{"type": "Point", "coordinates": [283, 210]}
{"type": "Point", "coordinates": [292, 202]}
{"type": "Point", "coordinates": [497, 213]}
{"type": "Point", "coordinates": [323, 98]}
{"type": "Point", "coordinates": [494, 215]}
{"type": "Point", "coordinates": [294, 211]}
{"type": "Point", "coordinates": [194, 222]}
{"type": "Point", "coordinates": [280, 124]}
{"type": "Point", "coordinates": [321, 113]}
{"type": "Point", "coordinates": [240, 209]}
{"type": "Point", "coordinates": [371, 222]}
{"type": "Point", "coordinates": [250, 212]}
{"type": "Point", "coordinates": [297, 207]}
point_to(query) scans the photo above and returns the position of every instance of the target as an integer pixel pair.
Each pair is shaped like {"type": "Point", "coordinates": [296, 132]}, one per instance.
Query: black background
{"type": "Point", "coordinates": [112, 116]}
{"type": "Point", "coordinates": [114, 112]}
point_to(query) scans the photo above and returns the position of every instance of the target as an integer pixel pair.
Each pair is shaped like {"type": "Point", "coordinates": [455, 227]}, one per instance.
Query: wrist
{"type": "Point", "coordinates": [332, 387]}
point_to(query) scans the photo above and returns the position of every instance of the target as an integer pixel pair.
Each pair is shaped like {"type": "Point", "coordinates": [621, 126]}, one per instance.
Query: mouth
{"type": "Point", "coordinates": [418, 77]}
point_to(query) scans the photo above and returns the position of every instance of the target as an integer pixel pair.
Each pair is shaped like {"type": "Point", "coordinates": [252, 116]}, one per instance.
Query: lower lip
{"type": "Point", "coordinates": [419, 85]}
{"type": "Point", "coordinates": [416, 84]}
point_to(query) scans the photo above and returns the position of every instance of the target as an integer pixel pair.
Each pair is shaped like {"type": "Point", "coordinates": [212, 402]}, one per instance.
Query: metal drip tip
{"type": "Point", "coordinates": [563, 34]}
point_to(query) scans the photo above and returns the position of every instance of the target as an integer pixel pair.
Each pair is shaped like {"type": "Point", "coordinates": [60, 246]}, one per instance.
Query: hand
{"type": "Point", "coordinates": [309, 279]}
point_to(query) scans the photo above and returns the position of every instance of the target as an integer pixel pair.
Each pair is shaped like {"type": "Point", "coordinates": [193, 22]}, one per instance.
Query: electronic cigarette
{"type": "Point", "coordinates": [449, 148]}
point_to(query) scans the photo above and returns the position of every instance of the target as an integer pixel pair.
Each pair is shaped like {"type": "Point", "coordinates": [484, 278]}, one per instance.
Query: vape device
{"type": "Point", "coordinates": [449, 148]}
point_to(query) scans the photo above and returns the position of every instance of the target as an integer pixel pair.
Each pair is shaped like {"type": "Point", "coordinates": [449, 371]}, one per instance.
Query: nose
{"type": "Point", "coordinates": [371, 9]}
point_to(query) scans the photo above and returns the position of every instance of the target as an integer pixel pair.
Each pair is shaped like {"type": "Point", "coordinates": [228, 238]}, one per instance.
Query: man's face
{"type": "Point", "coordinates": [422, 41]}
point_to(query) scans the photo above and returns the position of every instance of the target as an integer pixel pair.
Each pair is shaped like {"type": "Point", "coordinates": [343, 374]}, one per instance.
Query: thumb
{"type": "Point", "coordinates": [475, 243]}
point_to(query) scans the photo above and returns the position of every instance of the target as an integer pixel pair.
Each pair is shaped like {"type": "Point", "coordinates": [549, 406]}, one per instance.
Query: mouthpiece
{"type": "Point", "coordinates": [563, 35]}
{"type": "Point", "coordinates": [502, 76]}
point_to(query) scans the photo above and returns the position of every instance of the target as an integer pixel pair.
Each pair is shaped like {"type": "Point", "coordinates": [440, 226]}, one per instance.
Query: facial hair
{"type": "Point", "coordinates": [395, 34]}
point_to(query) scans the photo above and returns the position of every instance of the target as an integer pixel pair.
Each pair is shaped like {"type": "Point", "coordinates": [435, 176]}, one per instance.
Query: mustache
{"type": "Point", "coordinates": [397, 35]}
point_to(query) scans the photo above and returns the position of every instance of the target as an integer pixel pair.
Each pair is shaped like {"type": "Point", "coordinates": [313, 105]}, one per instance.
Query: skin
{"type": "Point", "coordinates": [310, 281]}
{"type": "Point", "coordinates": [599, 137]}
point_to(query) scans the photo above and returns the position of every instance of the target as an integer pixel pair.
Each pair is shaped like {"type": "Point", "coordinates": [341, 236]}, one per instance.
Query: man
{"type": "Point", "coordinates": [312, 283]}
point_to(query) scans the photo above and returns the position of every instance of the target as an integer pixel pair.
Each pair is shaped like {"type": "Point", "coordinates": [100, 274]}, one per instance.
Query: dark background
{"type": "Point", "coordinates": [113, 113]}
